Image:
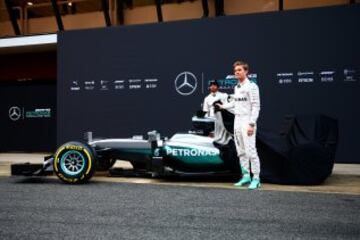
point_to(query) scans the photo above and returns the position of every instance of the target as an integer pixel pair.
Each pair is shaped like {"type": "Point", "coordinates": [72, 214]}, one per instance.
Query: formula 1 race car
{"type": "Point", "coordinates": [182, 154]}
{"type": "Point", "coordinates": [295, 156]}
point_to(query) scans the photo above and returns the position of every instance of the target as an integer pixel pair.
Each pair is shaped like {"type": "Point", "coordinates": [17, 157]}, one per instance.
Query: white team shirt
{"type": "Point", "coordinates": [246, 101]}
{"type": "Point", "coordinates": [209, 101]}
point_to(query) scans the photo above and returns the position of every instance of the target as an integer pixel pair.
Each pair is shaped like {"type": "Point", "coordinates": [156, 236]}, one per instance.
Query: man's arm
{"type": "Point", "coordinates": [255, 103]}
{"type": "Point", "coordinates": [206, 107]}
{"type": "Point", "coordinates": [227, 104]}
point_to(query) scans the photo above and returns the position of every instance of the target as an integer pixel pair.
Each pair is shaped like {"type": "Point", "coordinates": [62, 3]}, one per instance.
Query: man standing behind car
{"type": "Point", "coordinates": [246, 106]}
{"type": "Point", "coordinates": [221, 136]}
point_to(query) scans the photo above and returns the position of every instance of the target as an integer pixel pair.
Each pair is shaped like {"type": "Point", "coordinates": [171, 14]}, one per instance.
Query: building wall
{"type": "Point", "coordinates": [295, 4]}
{"type": "Point", "coordinates": [171, 12]}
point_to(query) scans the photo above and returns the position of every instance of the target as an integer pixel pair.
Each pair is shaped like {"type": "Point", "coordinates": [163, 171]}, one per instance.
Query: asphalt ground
{"type": "Point", "coordinates": [345, 178]}
{"type": "Point", "coordinates": [45, 208]}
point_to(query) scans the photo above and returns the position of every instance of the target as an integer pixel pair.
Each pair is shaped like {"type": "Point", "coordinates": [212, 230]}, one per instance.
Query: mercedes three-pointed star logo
{"type": "Point", "coordinates": [185, 83]}
{"type": "Point", "coordinates": [14, 113]}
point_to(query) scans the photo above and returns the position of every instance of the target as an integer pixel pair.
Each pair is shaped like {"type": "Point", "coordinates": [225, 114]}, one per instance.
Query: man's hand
{"type": "Point", "coordinates": [250, 130]}
{"type": "Point", "coordinates": [217, 107]}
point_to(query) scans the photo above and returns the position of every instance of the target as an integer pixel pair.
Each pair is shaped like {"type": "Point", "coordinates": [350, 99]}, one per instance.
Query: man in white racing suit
{"type": "Point", "coordinates": [221, 135]}
{"type": "Point", "coordinates": [246, 104]}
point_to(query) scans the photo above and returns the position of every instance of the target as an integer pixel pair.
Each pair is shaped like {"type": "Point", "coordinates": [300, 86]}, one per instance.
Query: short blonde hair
{"type": "Point", "coordinates": [241, 63]}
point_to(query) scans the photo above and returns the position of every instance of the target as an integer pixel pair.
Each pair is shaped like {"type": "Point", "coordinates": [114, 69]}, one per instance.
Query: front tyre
{"type": "Point", "coordinates": [74, 162]}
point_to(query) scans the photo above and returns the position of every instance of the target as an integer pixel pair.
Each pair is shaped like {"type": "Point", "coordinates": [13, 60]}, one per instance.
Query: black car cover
{"type": "Point", "coordinates": [301, 153]}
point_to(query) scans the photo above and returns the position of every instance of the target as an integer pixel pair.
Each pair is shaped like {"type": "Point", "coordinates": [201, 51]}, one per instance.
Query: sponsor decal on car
{"type": "Point", "coordinates": [187, 152]}
{"type": "Point", "coordinates": [74, 147]}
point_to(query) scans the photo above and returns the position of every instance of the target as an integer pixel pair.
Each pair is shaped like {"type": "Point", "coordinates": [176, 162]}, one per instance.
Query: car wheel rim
{"type": "Point", "coordinates": [72, 163]}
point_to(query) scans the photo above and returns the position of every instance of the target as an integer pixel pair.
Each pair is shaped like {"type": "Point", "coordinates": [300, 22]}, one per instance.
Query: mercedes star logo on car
{"type": "Point", "coordinates": [185, 83]}
{"type": "Point", "coordinates": [14, 113]}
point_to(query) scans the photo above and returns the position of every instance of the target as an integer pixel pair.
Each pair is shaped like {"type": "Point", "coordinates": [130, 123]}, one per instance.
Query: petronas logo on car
{"type": "Point", "coordinates": [190, 152]}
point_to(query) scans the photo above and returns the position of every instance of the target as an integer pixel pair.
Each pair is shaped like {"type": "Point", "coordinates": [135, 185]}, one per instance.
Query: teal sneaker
{"type": "Point", "coordinates": [246, 179]}
{"type": "Point", "coordinates": [243, 170]}
{"type": "Point", "coordinates": [255, 184]}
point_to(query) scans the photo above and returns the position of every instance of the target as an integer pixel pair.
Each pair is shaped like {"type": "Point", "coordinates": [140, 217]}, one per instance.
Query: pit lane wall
{"type": "Point", "coordinates": [124, 81]}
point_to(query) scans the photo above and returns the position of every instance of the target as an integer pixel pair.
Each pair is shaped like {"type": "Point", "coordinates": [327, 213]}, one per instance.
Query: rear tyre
{"type": "Point", "coordinates": [74, 162]}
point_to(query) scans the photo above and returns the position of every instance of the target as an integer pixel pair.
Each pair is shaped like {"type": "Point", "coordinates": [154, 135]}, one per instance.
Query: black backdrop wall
{"type": "Point", "coordinates": [122, 81]}
{"type": "Point", "coordinates": [28, 115]}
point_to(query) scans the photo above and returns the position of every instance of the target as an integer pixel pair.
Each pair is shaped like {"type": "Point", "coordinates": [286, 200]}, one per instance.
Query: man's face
{"type": "Point", "coordinates": [213, 88]}
{"type": "Point", "coordinates": [240, 72]}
